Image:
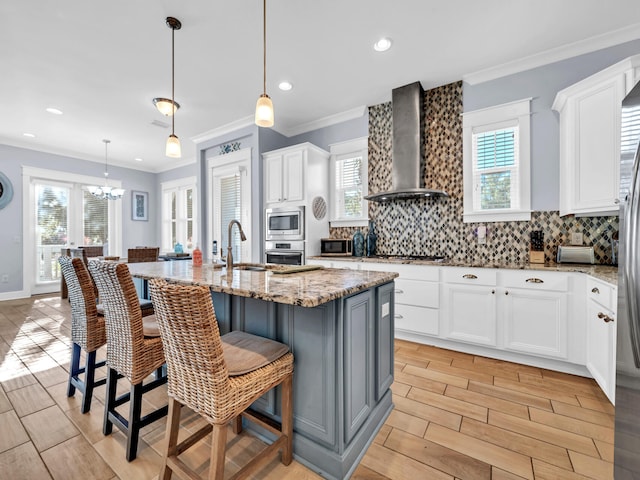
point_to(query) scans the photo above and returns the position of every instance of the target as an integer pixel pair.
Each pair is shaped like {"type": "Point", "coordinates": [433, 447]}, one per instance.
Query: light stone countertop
{"type": "Point", "coordinates": [606, 273]}
{"type": "Point", "coordinates": [306, 289]}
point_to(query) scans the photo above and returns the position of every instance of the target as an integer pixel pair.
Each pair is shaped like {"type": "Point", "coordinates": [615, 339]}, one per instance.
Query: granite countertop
{"type": "Point", "coordinates": [606, 273]}
{"type": "Point", "coordinates": [306, 289]}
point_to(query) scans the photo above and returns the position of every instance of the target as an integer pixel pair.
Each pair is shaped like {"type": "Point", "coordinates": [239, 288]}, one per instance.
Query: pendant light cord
{"type": "Point", "coordinates": [264, 46]}
{"type": "Point", "coordinates": [173, 81]}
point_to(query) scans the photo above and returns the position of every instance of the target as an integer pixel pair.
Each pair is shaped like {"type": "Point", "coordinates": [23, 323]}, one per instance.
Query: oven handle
{"type": "Point", "coordinates": [280, 253]}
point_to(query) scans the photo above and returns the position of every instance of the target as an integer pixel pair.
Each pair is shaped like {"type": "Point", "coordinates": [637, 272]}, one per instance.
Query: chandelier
{"type": "Point", "coordinates": [106, 192]}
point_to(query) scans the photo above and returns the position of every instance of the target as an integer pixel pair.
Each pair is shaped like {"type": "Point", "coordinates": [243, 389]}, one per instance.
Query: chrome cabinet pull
{"type": "Point", "coordinates": [595, 290]}
{"type": "Point", "coordinates": [493, 292]}
{"type": "Point", "coordinates": [399, 291]}
{"type": "Point", "coordinates": [397, 315]}
{"type": "Point", "coordinates": [534, 280]}
{"type": "Point", "coordinates": [507, 292]}
{"type": "Point", "coordinates": [470, 276]}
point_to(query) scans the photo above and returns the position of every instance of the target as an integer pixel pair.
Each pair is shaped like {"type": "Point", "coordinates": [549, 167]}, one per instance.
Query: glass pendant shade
{"type": "Point", "coordinates": [173, 147]}
{"type": "Point", "coordinates": [264, 111]}
{"type": "Point", "coordinates": [166, 106]}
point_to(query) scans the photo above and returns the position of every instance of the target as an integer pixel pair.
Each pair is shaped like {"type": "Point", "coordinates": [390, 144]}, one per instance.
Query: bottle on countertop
{"type": "Point", "coordinates": [196, 255]}
{"type": "Point", "coordinates": [371, 239]}
{"type": "Point", "coordinates": [214, 251]}
{"type": "Point", "coordinates": [358, 244]}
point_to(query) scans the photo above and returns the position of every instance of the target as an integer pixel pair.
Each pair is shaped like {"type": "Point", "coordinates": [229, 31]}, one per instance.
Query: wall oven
{"type": "Point", "coordinates": [284, 223]}
{"type": "Point", "coordinates": [284, 252]}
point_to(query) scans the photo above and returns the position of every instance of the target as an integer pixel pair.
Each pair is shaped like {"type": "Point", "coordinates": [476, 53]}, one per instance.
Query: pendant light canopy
{"type": "Point", "coordinates": [106, 192]}
{"type": "Point", "coordinates": [264, 106]}
{"type": "Point", "coordinates": [173, 142]}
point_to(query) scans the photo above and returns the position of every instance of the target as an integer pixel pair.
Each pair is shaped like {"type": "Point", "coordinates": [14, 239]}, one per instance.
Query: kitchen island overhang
{"type": "Point", "coordinates": [339, 325]}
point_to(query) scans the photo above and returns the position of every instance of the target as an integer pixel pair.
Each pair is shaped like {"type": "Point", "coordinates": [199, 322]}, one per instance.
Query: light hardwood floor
{"type": "Point", "coordinates": [456, 416]}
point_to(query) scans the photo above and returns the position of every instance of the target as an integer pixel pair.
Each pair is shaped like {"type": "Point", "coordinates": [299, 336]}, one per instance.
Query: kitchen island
{"type": "Point", "coordinates": [339, 326]}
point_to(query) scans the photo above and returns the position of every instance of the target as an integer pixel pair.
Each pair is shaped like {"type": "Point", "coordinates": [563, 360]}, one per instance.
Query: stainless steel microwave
{"type": "Point", "coordinates": [286, 223]}
{"type": "Point", "coordinates": [336, 247]}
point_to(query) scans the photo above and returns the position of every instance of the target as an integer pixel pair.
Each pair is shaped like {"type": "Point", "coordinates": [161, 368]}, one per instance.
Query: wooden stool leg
{"type": "Point", "coordinates": [133, 432]}
{"type": "Point", "coordinates": [89, 381]}
{"type": "Point", "coordinates": [287, 419]}
{"type": "Point", "coordinates": [112, 383]}
{"type": "Point", "coordinates": [236, 425]}
{"type": "Point", "coordinates": [173, 428]}
{"type": "Point", "coordinates": [218, 448]}
{"type": "Point", "coordinates": [74, 369]}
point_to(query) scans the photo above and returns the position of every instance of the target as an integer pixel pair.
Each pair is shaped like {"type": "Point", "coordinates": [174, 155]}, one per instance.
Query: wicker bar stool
{"type": "Point", "coordinates": [143, 254]}
{"type": "Point", "coordinates": [87, 329]}
{"type": "Point", "coordinates": [217, 377]}
{"type": "Point", "coordinates": [134, 351]}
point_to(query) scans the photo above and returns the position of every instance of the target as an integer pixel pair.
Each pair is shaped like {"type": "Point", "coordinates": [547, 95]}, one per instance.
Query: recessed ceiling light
{"type": "Point", "coordinates": [55, 111]}
{"type": "Point", "coordinates": [138, 159]}
{"type": "Point", "coordinates": [382, 45]}
{"type": "Point", "coordinates": [285, 86]}
{"type": "Point", "coordinates": [30, 135]}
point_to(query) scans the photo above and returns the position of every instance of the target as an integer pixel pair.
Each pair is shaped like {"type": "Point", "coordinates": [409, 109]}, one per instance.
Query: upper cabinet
{"type": "Point", "coordinates": [290, 174]}
{"type": "Point", "coordinates": [590, 113]}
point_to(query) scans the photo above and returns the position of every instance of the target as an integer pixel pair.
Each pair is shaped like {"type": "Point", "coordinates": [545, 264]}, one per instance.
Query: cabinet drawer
{"type": "Point", "coordinates": [535, 279]}
{"type": "Point", "coordinates": [413, 272]}
{"type": "Point", "coordinates": [418, 293]}
{"type": "Point", "coordinates": [601, 293]}
{"type": "Point", "coordinates": [416, 319]}
{"type": "Point", "coordinates": [470, 276]}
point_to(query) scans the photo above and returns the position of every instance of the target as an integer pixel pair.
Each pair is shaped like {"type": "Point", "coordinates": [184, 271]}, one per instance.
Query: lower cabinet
{"type": "Point", "coordinates": [601, 335]}
{"type": "Point", "coordinates": [469, 305]}
{"type": "Point", "coordinates": [535, 312]}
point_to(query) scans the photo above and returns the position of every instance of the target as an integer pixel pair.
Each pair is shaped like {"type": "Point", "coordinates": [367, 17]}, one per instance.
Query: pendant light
{"type": "Point", "coordinates": [264, 106]}
{"type": "Point", "coordinates": [106, 192]}
{"type": "Point", "coordinates": [173, 142]}
{"type": "Point", "coordinates": [166, 106]}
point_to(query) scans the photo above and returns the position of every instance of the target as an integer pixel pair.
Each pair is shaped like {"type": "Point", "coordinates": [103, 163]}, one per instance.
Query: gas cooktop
{"type": "Point", "coordinates": [431, 258]}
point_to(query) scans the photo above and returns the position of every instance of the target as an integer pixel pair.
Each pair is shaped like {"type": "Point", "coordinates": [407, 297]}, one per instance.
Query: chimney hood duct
{"type": "Point", "coordinates": [407, 104]}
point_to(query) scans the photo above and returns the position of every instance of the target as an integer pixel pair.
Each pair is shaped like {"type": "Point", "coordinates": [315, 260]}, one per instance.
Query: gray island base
{"type": "Point", "coordinates": [339, 325]}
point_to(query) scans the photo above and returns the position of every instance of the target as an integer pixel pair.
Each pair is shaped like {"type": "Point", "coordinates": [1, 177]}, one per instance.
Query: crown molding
{"type": "Point", "coordinates": [574, 49]}
{"type": "Point", "coordinates": [223, 130]}
{"type": "Point", "coordinates": [325, 122]}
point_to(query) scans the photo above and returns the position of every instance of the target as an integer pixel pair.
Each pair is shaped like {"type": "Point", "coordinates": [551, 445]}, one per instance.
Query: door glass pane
{"type": "Point", "coordinates": [52, 229]}
{"type": "Point", "coordinates": [95, 219]}
{"type": "Point", "coordinates": [230, 210]}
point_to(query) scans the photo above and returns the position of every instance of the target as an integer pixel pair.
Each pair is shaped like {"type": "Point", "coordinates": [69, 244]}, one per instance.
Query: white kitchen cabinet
{"type": "Point", "coordinates": [534, 312]}
{"type": "Point", "coordinates": [468, 307]}
{"type": "Point", "coordinates": [293, 173]}
{"type": "Point", "coordinates": [590, 139]}
{"type": "Point", "coordinates": [601, 334]}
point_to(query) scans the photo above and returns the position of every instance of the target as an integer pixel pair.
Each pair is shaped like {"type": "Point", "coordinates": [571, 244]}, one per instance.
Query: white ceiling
{"type": "Point", "coordinates": [102, 62]}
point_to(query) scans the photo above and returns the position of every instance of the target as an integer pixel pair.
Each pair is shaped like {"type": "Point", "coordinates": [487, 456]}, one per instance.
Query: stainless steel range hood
{"type": "Point", "coordinates": [407, 104]}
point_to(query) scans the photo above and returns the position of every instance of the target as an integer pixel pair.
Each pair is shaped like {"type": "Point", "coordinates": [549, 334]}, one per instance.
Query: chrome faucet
{"type": "Point", "coordinates": [229, 248]}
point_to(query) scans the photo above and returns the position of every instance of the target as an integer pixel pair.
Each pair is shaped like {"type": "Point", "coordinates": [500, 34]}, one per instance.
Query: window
{"type": "Point", "coordinates": [348, 182]}
{"type": "Point", "coordinates": [179, 214]}
{"type": "Point", "coordinates": [496, 163]}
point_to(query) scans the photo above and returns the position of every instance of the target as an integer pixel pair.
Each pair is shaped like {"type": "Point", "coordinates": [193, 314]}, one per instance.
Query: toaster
{"type": "Point", "coordinates": [575, 254]}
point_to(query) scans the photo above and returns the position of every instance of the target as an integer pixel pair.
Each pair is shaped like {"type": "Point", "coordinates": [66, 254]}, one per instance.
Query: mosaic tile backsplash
{"type": "Point", "coordinates": [435, 226]}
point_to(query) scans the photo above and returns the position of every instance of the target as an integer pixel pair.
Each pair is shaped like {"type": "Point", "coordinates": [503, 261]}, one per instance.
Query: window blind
{"type": "Point", "coordinates": [96, 219]}
{"type": "Point", "coordinates": [230, 202]}
{"type": "Point", "coordinates": [348, 183]}
{"type": "Point", "coordinates": [495, 167]}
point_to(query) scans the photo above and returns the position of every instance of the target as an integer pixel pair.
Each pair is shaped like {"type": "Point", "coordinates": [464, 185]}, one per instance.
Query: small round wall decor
{"type": "Point", "coordinates": [6, 190]}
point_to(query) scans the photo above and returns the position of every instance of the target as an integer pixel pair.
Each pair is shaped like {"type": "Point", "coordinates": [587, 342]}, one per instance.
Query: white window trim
{"type": "Point", "coordinates": [355, 147]}
{"type": "Point", "coordinates": [493, 118]}
{"type": "Point", "coordinates": [178, 185]}
{"type": "Point", "coordinates": [238, 161]}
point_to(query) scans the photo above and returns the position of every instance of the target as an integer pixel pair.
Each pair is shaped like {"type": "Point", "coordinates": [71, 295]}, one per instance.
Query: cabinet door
{"type": "Point", "coordinates": [598, 146]}
{"type": "Point", "coordinates": [601, 348]}
{"type": "Point", "coordinates": [469, 313]}
{"type": "Point", "coordinates": [273, 178]}
{"type": "Point", "coordinates": [535, 321]}
{"type": "Point", "coordinates": [293, 177]}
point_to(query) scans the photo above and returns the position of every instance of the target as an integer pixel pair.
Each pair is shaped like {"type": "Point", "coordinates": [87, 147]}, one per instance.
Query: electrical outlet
{"type": "Point", "coordinates": [576, 238]}
{"type": "Point", "coordinates": [482, 234]}
{"type": "Point", "coordinates": [5, 278]}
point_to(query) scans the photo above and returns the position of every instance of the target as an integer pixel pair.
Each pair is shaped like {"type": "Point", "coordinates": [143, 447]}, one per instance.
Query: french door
{"type": "Point", "coordinates": [63, 214]}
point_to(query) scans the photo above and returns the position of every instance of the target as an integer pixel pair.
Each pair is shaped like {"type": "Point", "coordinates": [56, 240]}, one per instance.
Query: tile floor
{"type": "Point", "coordinates": [456, 416]}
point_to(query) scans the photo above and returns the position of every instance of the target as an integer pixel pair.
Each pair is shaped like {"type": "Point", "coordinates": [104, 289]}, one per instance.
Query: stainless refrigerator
{"type": "Point", "coordinates": [627, 434]}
